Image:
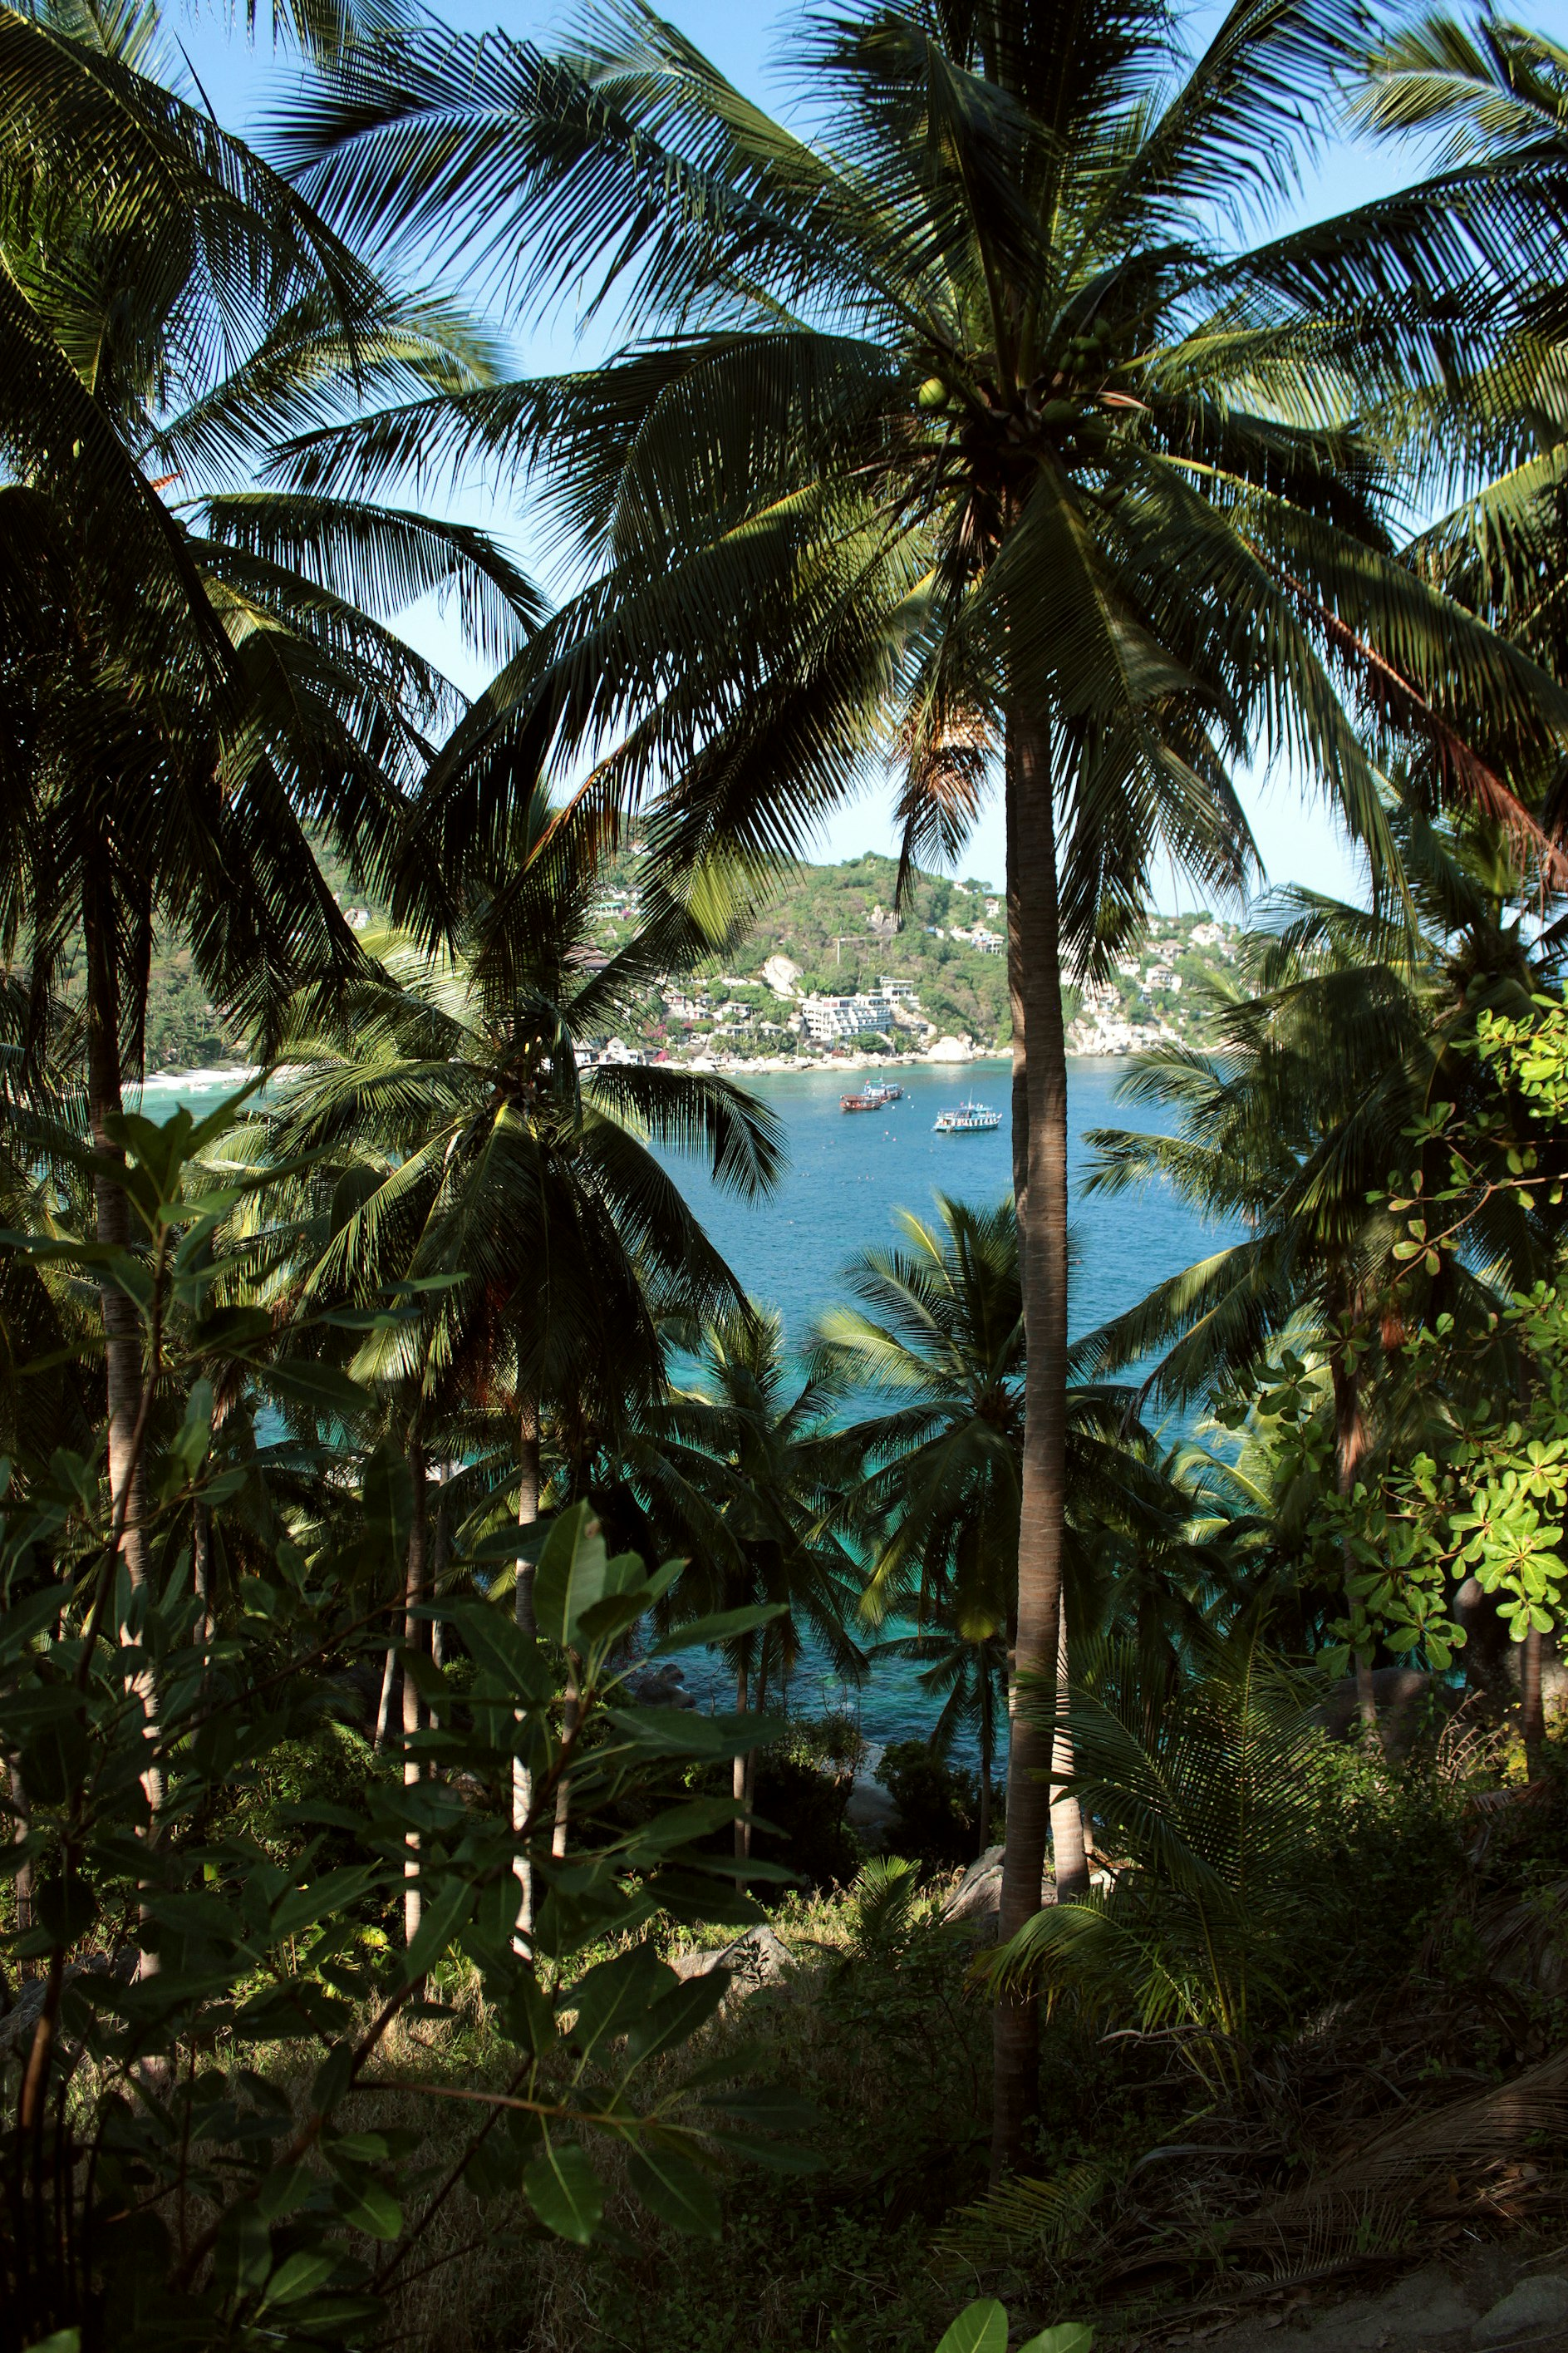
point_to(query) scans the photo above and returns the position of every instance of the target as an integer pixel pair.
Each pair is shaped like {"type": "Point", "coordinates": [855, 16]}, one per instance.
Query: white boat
{"type": "Point", "coordinates": [969, 1119]}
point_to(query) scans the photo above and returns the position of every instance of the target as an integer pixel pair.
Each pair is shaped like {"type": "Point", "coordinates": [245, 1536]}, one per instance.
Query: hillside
{"type": "Point", "coordinates": [827, 935]}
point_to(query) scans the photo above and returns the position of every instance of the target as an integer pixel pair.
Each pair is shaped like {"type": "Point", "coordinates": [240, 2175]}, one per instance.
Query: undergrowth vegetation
{"type": "Point", "coordinates": [1395, 2093]}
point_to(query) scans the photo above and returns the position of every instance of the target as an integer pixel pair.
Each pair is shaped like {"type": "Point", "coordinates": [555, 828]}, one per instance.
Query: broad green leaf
{"type": "Point", "coordinates": [243, 2250]}
{"type": "Point", "coordinates": [370, 2206]}
{"type": "Point", "coordinates": [980, 2327]}
{"type": "Point", "coordinates": [616, 1996]}
{"type": "Point", "coordinates": [675, 2189]}
{"type": "Point", "coordinates": [300, 2275]}
{"type": "Point", "coordinates": [195, 1432]}
{"type": "Point", "coordinates": [575, 1575]}
{"type": "Point", "coordinates": [1067, 2336]}
{"type": "Point", "coordinates": [498, 1645]}
{"type": "Point", "coordinates": [441, 1922]}
{"type": "Point", "coordinates": [774, 2155]}
{"type": "Point", "coordinates": [28, 1618]}
{"type": "Point", "coordinates": [677, 2016]}
{"type": "Point", "coordinates": [332, 1891]}
{"type": "Point", "coordinates": [564, 2191]}
{"type": "Point", "coordinates": [682, 1732]}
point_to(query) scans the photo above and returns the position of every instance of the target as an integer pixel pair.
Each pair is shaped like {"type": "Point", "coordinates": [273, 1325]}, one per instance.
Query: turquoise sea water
{"type": "Point", "coordinates": [847, 1172]}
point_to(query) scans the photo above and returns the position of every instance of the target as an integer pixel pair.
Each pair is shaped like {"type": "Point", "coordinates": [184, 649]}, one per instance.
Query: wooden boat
{"type": "Point", "coordinates": [872, 1098]}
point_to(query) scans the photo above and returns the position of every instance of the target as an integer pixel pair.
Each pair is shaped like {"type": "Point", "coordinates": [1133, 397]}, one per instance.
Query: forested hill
{"type": "Point", "coordinates": [835, 925]}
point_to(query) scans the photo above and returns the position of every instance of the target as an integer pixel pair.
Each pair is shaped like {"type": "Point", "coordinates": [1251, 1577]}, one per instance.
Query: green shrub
{"type": "Point", "coordinates": [803, 1803]}
{"type": "Point", "coordinates": [937, 1803]}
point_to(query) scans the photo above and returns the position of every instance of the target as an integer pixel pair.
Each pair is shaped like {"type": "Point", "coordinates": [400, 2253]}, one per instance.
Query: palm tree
{"type": "Point", "coordinates": [1209, 1793]}
{"type": "Point", "coordinates": [953, 434]}
{"type": "Point", "coordinates": [734, 1469]}
{"type": "Point", "coordinates": [198, 678]}
{"type": "Point", "coordinates": [967, 1671]}
{"type": "Point", "coordinates": [458, 1156]}
{"type": "Point", "coordinates": [937, 1338]}
{"type": "Point", "coordinates": [937, 1333]}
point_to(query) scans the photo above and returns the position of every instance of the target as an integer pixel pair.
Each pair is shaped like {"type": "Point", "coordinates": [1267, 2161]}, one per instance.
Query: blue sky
{"type": "Point", "coordinates": [1297, 837]}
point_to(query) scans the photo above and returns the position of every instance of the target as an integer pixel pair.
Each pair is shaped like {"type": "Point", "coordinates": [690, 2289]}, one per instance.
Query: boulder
{"type": "Point", "coordinates": [1425, 2304]}
{"type": "Point", "coordinates": [1533, 2305]}
{"type": "Point", "coordinates": [870, 1807]}
{"type": "Point", "coordinates": [657, 1684]}
{"type": "Point", "coordinates": [760, 1958]}
{"type": "Point", "coordinates": [781, 973]}
{"type": "Point", "coordinates": [16, 2023]}
{"type": "Point", "coordinates": [978, 1896]}
{"type": "Point", "coordinates": [951, 1050]}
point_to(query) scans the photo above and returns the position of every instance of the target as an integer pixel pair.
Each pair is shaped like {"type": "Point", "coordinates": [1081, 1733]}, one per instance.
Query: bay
{"type": "Point", "coordinates": [849, 1171]}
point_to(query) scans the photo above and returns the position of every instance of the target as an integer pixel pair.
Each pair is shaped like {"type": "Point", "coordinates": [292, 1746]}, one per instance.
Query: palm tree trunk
{"type": "Point", "coordinates": [1020, 1076]}
{"type": "Point", "coordinates": [1350, 1444]}
{"type": "Point", "coordinates": [522, 1779]}
{"type": "Point", "coordinates": [122, 1354]}
{"type": "Point", "coordinates": [440, 1548]}
{"type": "Point", "coordinates": [738, 1778]}
{"type": "Point", "coordinates": [388, 1685]}
{"type": "Point", "coordinates": [122, 1323]}
{"type": "Point", "coordinates": [1069, 1849]}
{"type": "Point", "coordinates": [1040, 1044]}
{"type": "Point", "coordinates": [414, 1595]}
{"type": "Point", "coordinates": [23, 1880]}
{"type": "Point", "coordinates": [563, 1786]}
{"type": "Point", "coordinates": [202, 1580]}
{"type": "Point", "coordinates": [1531, 1707]}
{"type": "Point", "coordinates": [987, 1746]}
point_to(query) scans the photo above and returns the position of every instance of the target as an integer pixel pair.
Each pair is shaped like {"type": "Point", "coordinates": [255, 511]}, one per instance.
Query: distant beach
{"type": "Point", "coordinates": [238, 1074]}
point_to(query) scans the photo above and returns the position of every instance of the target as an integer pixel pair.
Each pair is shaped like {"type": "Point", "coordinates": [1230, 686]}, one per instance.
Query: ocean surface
{"type": "Point", "coordinates": [847, 1174]}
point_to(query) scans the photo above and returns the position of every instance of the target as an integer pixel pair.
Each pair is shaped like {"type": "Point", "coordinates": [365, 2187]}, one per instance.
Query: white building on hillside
{"type": "Point", "coordinates": [827, 1018]}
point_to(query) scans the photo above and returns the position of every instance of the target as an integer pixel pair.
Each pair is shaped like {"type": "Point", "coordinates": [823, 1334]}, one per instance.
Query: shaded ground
{"type": "Point", "coordinates": [1491, 2299]}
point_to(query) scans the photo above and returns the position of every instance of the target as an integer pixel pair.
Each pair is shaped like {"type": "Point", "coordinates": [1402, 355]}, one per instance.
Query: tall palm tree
{"type": "Point", "coordinates": [199, 675]}
{"type": "Point", "coordinates": [935, 1346]}
{"type": "Point", "coordinates": [956, 433]}
{"type": "Point", "coordinates": [458, 1156]}
{"type": "Point", "coordinates": [734, 1468]}
{"type": "Point", "coordinates": [936, 1335]}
